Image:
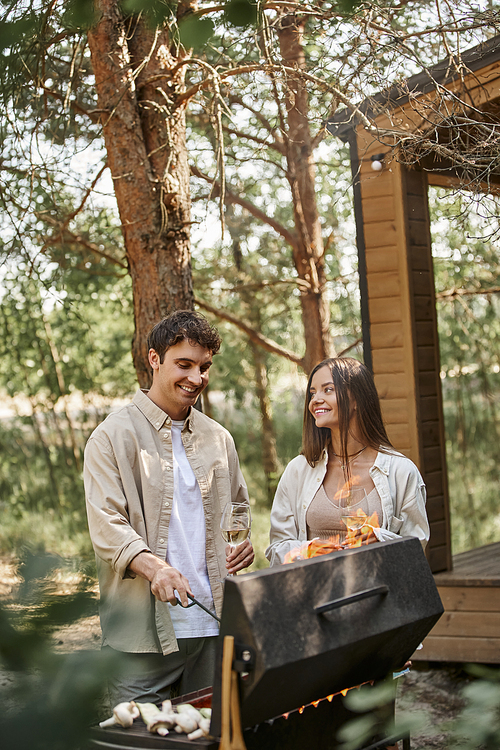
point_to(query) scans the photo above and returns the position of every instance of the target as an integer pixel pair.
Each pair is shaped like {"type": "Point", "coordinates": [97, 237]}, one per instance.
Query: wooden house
{"type": "Point", "coordinates": [399, 311]}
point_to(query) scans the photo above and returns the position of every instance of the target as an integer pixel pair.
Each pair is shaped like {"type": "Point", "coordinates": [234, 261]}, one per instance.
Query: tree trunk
{"type": "Point", "coordinates": [56, 361]}
{"type": "Point", "coordinates": [270, 462]}
{"type": "Point", "coordinates": [144, 132]}
{"type": "Point", "coordinates": [309, 254]}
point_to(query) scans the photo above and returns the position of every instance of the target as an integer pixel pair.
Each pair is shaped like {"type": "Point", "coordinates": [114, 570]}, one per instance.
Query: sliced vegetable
{"type": "Point", "coordinates": [148, 711]}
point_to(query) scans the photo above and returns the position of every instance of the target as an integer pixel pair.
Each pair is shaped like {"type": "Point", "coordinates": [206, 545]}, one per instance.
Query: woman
{"type": "Point", "coordinates": [344, 443]}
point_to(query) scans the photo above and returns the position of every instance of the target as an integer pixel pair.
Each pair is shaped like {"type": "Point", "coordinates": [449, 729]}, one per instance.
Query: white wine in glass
{"type": "Point", "coordinates": [353, 503]}
{"type": "Point", "coordinates": [235, 523]}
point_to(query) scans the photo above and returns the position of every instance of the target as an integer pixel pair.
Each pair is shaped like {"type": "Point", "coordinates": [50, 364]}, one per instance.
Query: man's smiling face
{"type": "Point", "coordinates": [180, 378]}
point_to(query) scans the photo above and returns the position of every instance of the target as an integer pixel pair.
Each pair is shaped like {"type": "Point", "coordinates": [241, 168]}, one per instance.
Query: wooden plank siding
{"type": "Point", "coordinates": [427, 360]}
{"type": "Point", "coordinates": [469, 630]}
{"type": "Point", "coordinates": [399, 313]}
{"type": "Point", "coordinates": [403, 326]}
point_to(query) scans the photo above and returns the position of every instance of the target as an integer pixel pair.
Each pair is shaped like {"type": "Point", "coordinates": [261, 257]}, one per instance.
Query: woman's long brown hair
{"type": "Point", "coordinates": [354, 388]}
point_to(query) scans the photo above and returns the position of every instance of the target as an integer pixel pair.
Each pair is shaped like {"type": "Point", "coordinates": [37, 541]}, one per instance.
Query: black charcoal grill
{"type": "Point", "coordinates": [306, 631]}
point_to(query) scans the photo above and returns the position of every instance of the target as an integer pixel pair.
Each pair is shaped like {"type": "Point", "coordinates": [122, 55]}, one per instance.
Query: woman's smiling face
{"type": "Point", "coordinates": [323, 399]}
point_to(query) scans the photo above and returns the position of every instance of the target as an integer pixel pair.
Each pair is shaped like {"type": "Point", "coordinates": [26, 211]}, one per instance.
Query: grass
{"type": "Point", "coordinates": [66, 535]}
{"type": "Point", "coordinates": [260, 536]}
{"type": "Point", "coordinates": [63, 535]}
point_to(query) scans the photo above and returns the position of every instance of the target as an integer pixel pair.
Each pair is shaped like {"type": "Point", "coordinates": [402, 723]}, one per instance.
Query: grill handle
{"type": "Point", "coordinates": [337, 603]}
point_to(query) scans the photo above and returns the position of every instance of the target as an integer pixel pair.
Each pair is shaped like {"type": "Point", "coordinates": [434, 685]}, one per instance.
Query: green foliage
{"type": "Point", "coordinates": [54, 698]}
{"type": "Point", "coordinates": [195, 32]}
{"type": "Point", "coordinates": [80, 15]}
{"type": "Point", "coordinates": [479, 723]}
{"type": "Point", "coordinates": [374, 704]}
{"type": "Point", "coordinates": [466, 260]}
{"type": "Point", "coordinates": [12, 32]}
{"type": "Point", "coordinates": [156, 12]}
{"type": "Point", "coordinates": [64, 353]}
{"type": "Point", "coordinates": [240, 12]}
{"type": "Point", "coordinates": [260, 534]}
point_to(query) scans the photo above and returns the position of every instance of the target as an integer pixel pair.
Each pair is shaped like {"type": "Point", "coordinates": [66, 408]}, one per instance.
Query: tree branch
{"type": "Point", "coordinates": [454, 293]}
{"type": "Point", "coordinates": [351, 346]}
{"type": "Point", "coordinates": [256, 212]}
{"type": "Point", "coordinates": [253, 335]}
{"type": "Point", "coordinates": [92, 114]}
{"type": "Point", "coordinates": [255, 139]}
{"type": "Point", "coordinates": [282, 69]}
{"type": "Point", "coordinates": [301, 283]}
{"type": "Point", "coordinates": [234, 99]}
{"type": "Point", "coordinates": [76, 238]}
{"type": "Point", "coordinates": [70, 216]}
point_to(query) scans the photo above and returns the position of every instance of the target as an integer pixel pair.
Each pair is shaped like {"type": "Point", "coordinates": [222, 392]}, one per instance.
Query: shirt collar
{"type": "Point", "coordinates": [156, 416]}
{"type": "Point", "coordinates": [383, 461]}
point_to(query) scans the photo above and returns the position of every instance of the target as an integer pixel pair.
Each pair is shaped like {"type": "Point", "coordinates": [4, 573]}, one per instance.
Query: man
{"type": "Point", "coordinates": [157, 475]}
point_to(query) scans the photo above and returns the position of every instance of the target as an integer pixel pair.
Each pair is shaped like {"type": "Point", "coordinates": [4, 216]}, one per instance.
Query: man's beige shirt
{"type": "Point", "coordinates": [129, 487]}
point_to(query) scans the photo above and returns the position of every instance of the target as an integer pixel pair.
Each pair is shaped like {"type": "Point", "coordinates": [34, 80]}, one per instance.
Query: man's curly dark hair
{"type": "Point", "coordinates": [183, 325]}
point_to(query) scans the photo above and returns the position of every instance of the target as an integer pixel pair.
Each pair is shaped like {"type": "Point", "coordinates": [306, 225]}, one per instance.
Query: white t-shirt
{"type": "Point", "coordinates": [186, 545]}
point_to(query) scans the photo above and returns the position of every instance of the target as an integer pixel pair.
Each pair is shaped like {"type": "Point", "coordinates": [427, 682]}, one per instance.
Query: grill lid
{"type": "Point", "coordinates": [318, 626]}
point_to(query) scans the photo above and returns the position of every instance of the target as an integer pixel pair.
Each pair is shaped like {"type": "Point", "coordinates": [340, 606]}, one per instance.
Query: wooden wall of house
{"type": "Point", "coordinates": [398, 303]}
{"type": "Point", "coordinates": [402, 322]}
{"type": "Point", "coordinates": [469, 630]}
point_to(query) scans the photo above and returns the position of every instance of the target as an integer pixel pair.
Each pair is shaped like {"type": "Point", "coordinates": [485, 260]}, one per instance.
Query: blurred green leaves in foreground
{"type": "Point", "coordinates": [49, 699]}
{"type": "Point", "coordinates": [477, 726]}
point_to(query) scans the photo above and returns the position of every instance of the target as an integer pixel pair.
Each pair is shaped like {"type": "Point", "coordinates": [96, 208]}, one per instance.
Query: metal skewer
{"type": "Point", "coordinates": [195, 601]}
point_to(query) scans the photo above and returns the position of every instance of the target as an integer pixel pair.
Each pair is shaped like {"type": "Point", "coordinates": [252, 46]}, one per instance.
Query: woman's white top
{"type": "Point", "coordinates": [397, 480]}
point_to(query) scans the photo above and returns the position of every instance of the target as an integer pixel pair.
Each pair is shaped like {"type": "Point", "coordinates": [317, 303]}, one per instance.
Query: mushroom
{"type": "Point", "coordinates": [157, 722]}
{"type": "Point", "coordinates": [161, 723]}
{"type": "Point", "coordinates": [123, 714]}
{"type": "Point", "coordinates": [202, 731]}
{"type": "Point", "coordinates": [189, 710]}
{"type": "Point", "coordinates": [166, 707]}
{"type": "Point", "coordinates": [185, 723]}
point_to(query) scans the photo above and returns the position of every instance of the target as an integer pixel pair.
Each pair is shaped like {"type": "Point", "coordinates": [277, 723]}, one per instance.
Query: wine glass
{"type": "Point", "coordinates": [235, 523]}
{"type": "Point", "coordinates": [353, 504]}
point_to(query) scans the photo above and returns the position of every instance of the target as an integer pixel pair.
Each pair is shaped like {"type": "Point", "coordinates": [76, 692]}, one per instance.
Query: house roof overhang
{"type": "Point", "coordinates": [443, 73]}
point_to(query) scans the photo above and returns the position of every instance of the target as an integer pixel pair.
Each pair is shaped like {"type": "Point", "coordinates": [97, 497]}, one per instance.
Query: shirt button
{"type": "Point", "coordinates": [161, 541]}
{"type": "Point", "coordinates": [167, 504]}
{"type": "Point", "coordinates": [169, 468]}
{"type": "Point", "coordinates": [302, 531]}
{"type": "Point", "coordinates": [318, 479]}
{"type": "Point", "coordinates": [304, 506]}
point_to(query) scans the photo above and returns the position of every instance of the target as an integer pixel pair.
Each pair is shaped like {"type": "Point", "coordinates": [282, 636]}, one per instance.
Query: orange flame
{"type": "Point", "coordinates": [328, 698]}
{"type": "Point", "coordinates": [354, 538]}
{"type": "Point", "coordinates": [365, 534]}
{"type": "Point", "coordinates": [353, 482]}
